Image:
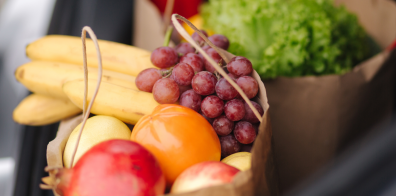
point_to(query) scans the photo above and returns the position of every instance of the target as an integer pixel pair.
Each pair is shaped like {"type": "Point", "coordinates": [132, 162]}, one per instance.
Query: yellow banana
{"type": "Point", "coordinates": [123, 103]}
{"type": "Point", "coordinates": [68, 49]}
{"type": "Point", "coordinates": [37, 110]}
{"type": "Point", "coordinates": [240, 160]}
{"type": "Point", "coordinates": [47, 78]}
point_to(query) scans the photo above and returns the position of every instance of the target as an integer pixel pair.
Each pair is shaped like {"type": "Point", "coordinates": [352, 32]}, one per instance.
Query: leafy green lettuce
{"type": "Point", "coordinates": [289, 37]}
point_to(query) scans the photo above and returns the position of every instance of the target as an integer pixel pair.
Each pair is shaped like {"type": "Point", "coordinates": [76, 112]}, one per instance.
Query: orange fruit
{"type": "Point", "coordinates": [178, 137]}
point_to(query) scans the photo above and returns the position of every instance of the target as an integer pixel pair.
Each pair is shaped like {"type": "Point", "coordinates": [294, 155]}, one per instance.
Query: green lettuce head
{"type": "Point", "coordinates": [289, 37]}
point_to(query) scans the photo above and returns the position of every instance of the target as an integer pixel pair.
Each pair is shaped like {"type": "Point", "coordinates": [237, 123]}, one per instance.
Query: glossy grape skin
{"type": "Point", "coordinates": [191, 100]}
{"type": "Point", "coordinates": [240, 66]}
{"type": "Point", "coordinates": [232, 76]}
{"type": "Point", "coordinates": [248, 85]}
{"type": "Point", "coordinates": [147, 78]}
{"type": "Point", "coordinates": [249, 116]}
{"type": "Point", "coordinates": [184, 48]}
{"type": "Point", "coordinates": [204, 83]}
{"type": "Point", "coordinates": [194, 61]}
{"type": "Point", "coordinates": [225, 90]}
{"type": "Point", "coordinates": [229, 145]}
{"type": "Point", "coordinates": [220, 41]}
{"type": "Point", "coordinates": [164, 57]}
{"type": "Point", "coordinates": [234, 109]}
{"type": "Point", "coordinates": [166, 91]}
{"type": "Point", "coordinates": [216, 57]}
{"type": "Point", "coordinates": [182, 74]}
{"type": "Point", "coordinates": [212, 106]}
{"type": "Point", "coordinates": [244, 132]}
{"type": "Point", "coordinates": [197, 38]}
{"type": "Point", "coordinates": [223, 126]}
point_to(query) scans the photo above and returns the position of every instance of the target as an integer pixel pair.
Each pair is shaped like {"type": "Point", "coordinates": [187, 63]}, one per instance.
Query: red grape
{"type": "Point", "coordinates": [165, 90]}
{"type": "Point", "coordinates": [240, 66]}
{"type": "Point", "coordinates": [205, 47]}
{"type": "Point", "coordinates": [249, 116]}
{"type": "Point", "coordinates": [249, 86]}
{"type": "Point", "coordinates": [212, 106]}
{"type": "Point", "coordinates": [182, 74]}
{"type": "Point", "coordinates": [232, 76]}
{"type": "Point", "coordinates": [204, 83]}
{"type": "Point", "coordinates": [183, 89]}
{"type": "Point", "coordinates": [197, 38]}
{"type": "Point", "coordinates": [191, 100]}
{"type": "Point", "coordinates": [244, 132]}
{"type": "Point", "coordinates": [194, 61]}
{"type": "Point", "coordinates": [210, 120]}
{"type": "Point", "coordinates": [225, 90]}
{"type": "Point", "coordinates": [223, 126]}
{"type": "Point", "coordinates": [184, 48]}
{"type": "Point", "coordinates": [220, 41]}
{"type": "Point", "coordinates": [229, 145]}
{"type": "Point", "coordinates": [215, 56]}
{"type": "Point", "coordinates": [147, 78]}
{"type": "Point", "coordinates": [164, 57]}
{"type": "Point", "coordinates": [234, 109]}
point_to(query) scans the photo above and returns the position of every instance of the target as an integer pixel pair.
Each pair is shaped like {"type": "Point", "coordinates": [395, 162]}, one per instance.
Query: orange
{"type": "Point", "coordinates": [178, 137]}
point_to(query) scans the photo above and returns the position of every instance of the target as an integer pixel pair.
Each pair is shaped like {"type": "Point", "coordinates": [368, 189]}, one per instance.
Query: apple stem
{"type": "Point", "coordinates": [168, 35]}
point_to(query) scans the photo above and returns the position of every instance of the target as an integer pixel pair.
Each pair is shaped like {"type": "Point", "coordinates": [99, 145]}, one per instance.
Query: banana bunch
{"type": "Point", "coordinates": [56, 77]}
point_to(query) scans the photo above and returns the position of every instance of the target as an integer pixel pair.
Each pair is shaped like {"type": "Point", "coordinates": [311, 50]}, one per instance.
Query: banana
{"type": "Point", "coordinates": [47, 78]}
{"type": "Point", "coordinates": [123, 103]}
{"type": "Point", "coordinates": [240, 160]}
{"type": "Point", "coordinates": [37, 110]}
{"type": "Point", "coordinates": [68, 49]}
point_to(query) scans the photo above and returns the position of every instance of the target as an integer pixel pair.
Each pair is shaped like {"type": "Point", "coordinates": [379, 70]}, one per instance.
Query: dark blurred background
{"type": "Point", "coordinates": [365, 168]}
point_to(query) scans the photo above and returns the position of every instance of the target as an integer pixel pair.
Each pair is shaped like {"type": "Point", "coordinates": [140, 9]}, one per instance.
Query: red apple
{"type": "Point", "coordinates": [113, 167]}
{"type": "Point", "coordinates": [202, 175]}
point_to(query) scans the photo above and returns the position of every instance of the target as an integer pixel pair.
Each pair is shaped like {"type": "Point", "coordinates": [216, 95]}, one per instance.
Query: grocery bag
{"type": "Point", "coordinates": [261, 179]}
{"type": "Point", "coordinates": [316, 117]}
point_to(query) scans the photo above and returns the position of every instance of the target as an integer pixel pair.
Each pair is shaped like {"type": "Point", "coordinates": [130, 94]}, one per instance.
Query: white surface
{"type": "Point", "coordinates": [21, 22]}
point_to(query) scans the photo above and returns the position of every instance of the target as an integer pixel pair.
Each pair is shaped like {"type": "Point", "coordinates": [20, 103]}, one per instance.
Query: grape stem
{"type": "Point", "coordinates": [167, 73]}
{"type": "Point", "coordinates": [217, 74]}
{"type": "Point", "coordinates": [168, 35]}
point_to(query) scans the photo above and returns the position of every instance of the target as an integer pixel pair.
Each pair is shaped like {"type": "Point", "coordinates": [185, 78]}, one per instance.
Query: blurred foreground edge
{"type": "Point", "coordinates": [111, 21]}
{"type": "Point", "coordinates": [366, 168]}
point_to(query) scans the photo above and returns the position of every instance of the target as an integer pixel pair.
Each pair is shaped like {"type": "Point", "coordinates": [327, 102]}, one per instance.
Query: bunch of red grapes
{"type": "Point", "coordinates": [187, 77]}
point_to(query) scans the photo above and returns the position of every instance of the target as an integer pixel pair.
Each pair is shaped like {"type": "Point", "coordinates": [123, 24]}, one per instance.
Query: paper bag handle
{"type": "Point", "coordinates": [186, 36]}
{"type": "Point", "coordinates": [86, 110]}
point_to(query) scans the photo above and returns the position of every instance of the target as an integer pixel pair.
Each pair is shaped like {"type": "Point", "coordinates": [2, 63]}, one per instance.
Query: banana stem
{"type": "Point", "coordinates": [168, 35]}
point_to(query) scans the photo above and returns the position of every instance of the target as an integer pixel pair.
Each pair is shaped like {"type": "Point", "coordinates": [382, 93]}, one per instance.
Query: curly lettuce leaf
{"type": "Point", "coordinates": [290, 37]}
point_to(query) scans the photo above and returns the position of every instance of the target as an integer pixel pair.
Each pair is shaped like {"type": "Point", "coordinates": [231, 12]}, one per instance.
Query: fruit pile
{"type": "Point", "coordinates": [186, 116]}
{"type": "Point", "coordinates": [187, 77]}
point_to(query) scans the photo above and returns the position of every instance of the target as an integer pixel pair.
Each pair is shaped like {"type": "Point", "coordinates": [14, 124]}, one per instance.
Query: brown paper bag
{"type": "Point", "coordinates": [261, 179]}
{"type": "Point", "coordinates": [314, 118]}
